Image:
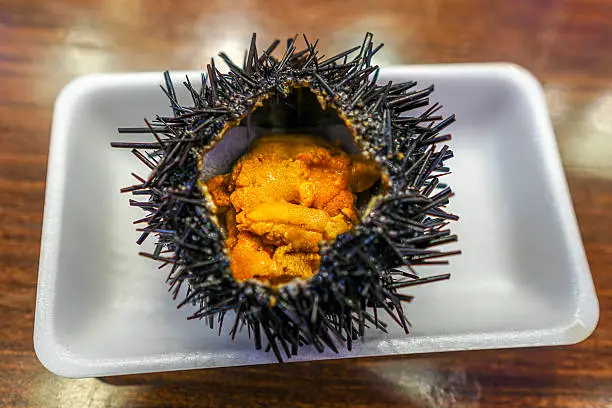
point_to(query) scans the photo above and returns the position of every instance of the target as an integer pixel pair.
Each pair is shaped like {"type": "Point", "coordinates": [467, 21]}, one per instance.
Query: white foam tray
{"type": "Point", "coordinates": [522, 280]}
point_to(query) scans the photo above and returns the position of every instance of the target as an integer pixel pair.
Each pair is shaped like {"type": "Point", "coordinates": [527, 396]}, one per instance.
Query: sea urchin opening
{"type": "Point", "coordinates": [294, 188]}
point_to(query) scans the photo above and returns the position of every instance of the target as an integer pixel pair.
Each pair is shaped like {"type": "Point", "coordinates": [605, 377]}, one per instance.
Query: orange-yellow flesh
{"type": "Point", "coordinates": [217, 188]}
{"type": "Point", "coordinates": [284, 197]}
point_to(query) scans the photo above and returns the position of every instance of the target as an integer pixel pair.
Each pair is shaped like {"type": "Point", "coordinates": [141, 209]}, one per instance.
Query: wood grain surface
{"type": "Point", "coordinates": [567, 44]}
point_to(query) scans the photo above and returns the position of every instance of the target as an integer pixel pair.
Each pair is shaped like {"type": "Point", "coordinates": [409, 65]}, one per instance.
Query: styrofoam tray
{"type": "Point", "coordinates": [522, 279]}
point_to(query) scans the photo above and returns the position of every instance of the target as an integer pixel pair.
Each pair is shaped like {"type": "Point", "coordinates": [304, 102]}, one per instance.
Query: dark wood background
{"type": "Point", "coordinates": [566, 43]}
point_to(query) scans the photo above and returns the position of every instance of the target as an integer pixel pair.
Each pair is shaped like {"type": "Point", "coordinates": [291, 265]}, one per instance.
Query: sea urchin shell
{"type": "Point", "coordinates": [362, 271]}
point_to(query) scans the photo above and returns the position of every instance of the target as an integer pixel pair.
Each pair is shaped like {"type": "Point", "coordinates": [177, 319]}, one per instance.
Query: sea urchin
{"type": "Point", "coordinates": [390, 224]}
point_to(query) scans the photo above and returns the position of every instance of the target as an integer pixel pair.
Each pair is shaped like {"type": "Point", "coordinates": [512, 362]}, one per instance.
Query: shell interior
{"type": "Point", "coordinates": [300, 112]}
{"type": "Point", "coordinates": [293, 115]}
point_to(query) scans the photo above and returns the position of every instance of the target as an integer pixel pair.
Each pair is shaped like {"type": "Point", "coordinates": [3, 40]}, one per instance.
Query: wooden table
{"type": "Point", "coordinates": [566, 43]}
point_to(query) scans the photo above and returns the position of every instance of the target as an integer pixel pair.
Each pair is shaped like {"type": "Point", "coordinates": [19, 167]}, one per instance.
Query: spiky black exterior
{"type": "Point", "coordinates": [358, 274]}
